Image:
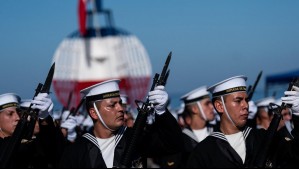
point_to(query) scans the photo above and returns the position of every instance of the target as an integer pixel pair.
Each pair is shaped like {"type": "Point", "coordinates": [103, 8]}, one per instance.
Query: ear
{"type": "Point", "coordinates": [93, 114]}
{"type": "Point", "coordinates": [219, 106]}
{"type": "Point", "coordinates": [188, 120]}
{"type": "Point", "coordinates": [195, 109]}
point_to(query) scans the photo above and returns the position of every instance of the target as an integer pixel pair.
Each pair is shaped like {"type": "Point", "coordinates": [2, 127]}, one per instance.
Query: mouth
{"type": "Point", "coordinates": [244, 116]}
{"type": "Point", "coordinates": [120, 118]}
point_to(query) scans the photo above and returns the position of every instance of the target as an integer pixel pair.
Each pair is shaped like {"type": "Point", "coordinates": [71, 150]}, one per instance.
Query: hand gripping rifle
{"type": "Point", "coordinates": [74, 111]}
{"type": "Point", "coordinates": [143, 112]}
{"type": "Point", "coordinates": [34, 113]}
{"type": "Point", "coordinates": [261, 159]}
{"type": "Point", "coordinates": [24, 128]}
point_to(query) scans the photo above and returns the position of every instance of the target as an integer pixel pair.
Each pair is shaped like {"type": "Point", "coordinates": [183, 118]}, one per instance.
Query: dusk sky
{"type": "Point", "coordinates": [210, 40]}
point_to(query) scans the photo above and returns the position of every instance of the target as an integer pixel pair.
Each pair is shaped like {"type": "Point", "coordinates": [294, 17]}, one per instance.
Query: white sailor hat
{"type": "Point", "coordinates": [181, 109]}
{"type": "Point", "coordinates": [9, 100]}
{"type": "Point", "coordinates": [124, 98]}
{"type": "Point", "coordinates": [25, 103]}
{"type": "Point", "coordinates": [196, 95]}
{"type": "Point", "coordinates": [230, 85]}
{"type": "Point", "coordinates": [104, 90]}
{"type": "Point", "coordinates": [265, 101]}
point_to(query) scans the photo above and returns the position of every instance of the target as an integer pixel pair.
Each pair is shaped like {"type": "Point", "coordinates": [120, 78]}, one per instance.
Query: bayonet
{"type": "Point", "coordinates": [165, 70]}
{"type": "Point", "coordinates": [47, 85]}
{"type": "Point", "coordinates": [166, 77]}
{"type": "Point", "coordinates": [250, 94]}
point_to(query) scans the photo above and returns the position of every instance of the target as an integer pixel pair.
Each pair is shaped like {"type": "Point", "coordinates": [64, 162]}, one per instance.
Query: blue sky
{"type": "Point", "coordinates": [210, 40]}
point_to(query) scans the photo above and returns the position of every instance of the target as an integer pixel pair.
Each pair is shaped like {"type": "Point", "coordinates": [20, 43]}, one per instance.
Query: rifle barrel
{"type": "Point", "coordinates": [250, 95]}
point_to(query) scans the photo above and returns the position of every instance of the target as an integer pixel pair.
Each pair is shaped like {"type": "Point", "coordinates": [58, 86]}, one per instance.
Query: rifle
{"type": "Point", "coordinates": [277, 116]}
{"type": "Point", "coordinates": [24, 127]}
{"type": "Point", "coordinates": [252, 89]}
{"type": "Point", "coordinates": [143, 112]}
{"type": "Point", "coordinates": [73, 111]}
{"type": "Point", "coordinates": [68, 103]}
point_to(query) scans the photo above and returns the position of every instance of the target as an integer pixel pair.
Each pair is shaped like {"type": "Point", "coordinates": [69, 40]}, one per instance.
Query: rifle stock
{"type": "Point", "coordinates": [143, 112]}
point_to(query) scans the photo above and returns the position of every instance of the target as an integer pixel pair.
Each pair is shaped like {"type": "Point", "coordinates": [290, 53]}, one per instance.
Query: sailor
{"type": "Point", "coordinates": [125, 102]}
{"type": "Point", "coordinates": [263, 116]}
{"type": "Point", "coordinates": [286, 131]}
{"type": "Point", "coordinates": [24, 106]}
{"type": "Point", "coordinates": [198, 112]}
{"type": "Point", "coordinates": [9, 117]}
{"type": "Point", "coordinates": [199, 109]}
{"type": "Point", "coordinates": [252, 110]}
{"type": "Point", "coordinates": [10, 104]}
{"type": "Point", "coordinates": [72, 125]}
{"type": "Point", "coordinates": [45, 146]}
{"type": "Point", "coordinates": [286, 125]}
{"type": "Point", "coordinates": [180, 116]}
{"type": "Point", "coordinates": [129, 118]}
{"type": "Point", "coordinates": [106, 144]}
{"type": "Point", "coordinates": [235, 145]}
{"type": "Point", "coordinates": [36, 149]}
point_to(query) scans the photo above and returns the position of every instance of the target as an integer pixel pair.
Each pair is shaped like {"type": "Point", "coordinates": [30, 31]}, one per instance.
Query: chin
{"type": "Point", "coordinates": [242, 123]}
{"type": "Point", "coordinates": [120, 124]}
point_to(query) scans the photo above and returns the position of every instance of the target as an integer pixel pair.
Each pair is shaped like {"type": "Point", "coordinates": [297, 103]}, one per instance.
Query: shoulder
{"type": "Point", "coordinates": [206, 144]}
{"type": "Point", "coordinates": [79, 146]}
{"type": "Point", "coordinates": [258, 133]}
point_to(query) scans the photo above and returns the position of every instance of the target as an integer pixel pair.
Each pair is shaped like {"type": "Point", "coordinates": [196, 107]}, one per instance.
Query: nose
{"type": "Point", "coordinates": [120, 107]}
{"type": "Point", "coordinates": [16, 116]}
{"type": "Point", "coordinates": [246, 105]}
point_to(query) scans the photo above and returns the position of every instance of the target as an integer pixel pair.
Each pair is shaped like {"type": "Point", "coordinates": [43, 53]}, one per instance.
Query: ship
{"type": "Point", "coordinates": [96, 52]}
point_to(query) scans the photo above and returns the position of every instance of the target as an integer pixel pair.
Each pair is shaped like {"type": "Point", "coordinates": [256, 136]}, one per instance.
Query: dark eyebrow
{"type": "Point", "coordinates": [114, 101]}
{"type": "Point", "coordinates": [239, 98]}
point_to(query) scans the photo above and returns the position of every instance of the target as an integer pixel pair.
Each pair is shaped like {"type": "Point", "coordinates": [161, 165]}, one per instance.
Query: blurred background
{"type": "Point", "coordinates": [210, 41]}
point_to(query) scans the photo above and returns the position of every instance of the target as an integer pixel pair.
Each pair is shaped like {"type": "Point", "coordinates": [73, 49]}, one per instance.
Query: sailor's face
{"type": "Point", "coordinates": [9, 119]}
{"type": "Point", "coordinates": [286, 116]}
{"type": "Point", "coordinates": [208, 108]}
{"type": "Point", "coordinates": [237, 107]}
{"type": "Point", "coordinates": [112, 112]}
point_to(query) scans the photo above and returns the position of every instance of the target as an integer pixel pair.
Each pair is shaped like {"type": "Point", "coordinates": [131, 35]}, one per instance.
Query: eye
{"type": "Point", "coordinates": [10, 113]}
{"type": "Point", "coordinates": [208, 103]}
{"type": "Point", "coordinates": [238, 101]}
{"type": "Point", "coordinates": [112, 105]}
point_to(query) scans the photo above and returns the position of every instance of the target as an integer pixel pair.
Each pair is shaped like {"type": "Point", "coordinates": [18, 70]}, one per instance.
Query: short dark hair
{"type": "Point", "coordinates": [187, 111]}
{"type": "Point", "coordinates": [214, 99]}
{"type": "Point", "coordinates": [88, 105]}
